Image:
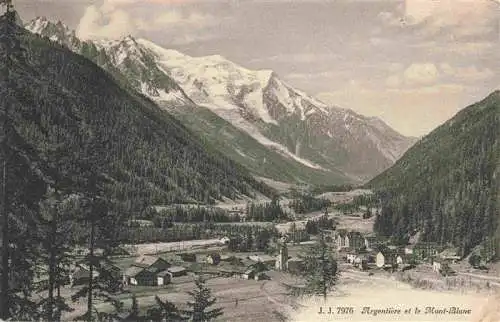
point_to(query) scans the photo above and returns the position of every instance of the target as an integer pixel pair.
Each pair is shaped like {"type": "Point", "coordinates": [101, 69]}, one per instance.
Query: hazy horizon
{"type": "Point", "coordinates": [412, 63]}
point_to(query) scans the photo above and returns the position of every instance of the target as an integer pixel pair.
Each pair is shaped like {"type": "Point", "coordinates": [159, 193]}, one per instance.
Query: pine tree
{"type": "Point", "coordinates": [202, 301]}
{"type": "Point", "coordinates": [101, 223]}
{"type": "Point", "coordinates": [23, 185]}
{"type": "Point", "coordinates": [164, 311]}
{"type": "Point", "coordinates": [7, 35]}
{"type": "Point", "coordinates": [319, 268]}
{"type": "Point", "coordinates": [55, 233]}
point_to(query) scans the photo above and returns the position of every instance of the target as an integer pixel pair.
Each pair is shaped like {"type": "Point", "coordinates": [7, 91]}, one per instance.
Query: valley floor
{"type": "Point", "coordinates": [267, 300]}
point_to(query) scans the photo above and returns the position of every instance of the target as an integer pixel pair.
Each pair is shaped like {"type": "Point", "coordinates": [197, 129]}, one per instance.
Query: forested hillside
{"type": "Point", "coordinates": [66, 103]}
{"type": "Point", "coordinates": [79, 154]}
{"type": "Point", "coordinates": [447, 185]}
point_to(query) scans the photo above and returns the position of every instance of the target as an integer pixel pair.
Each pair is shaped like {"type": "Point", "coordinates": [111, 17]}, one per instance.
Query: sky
{"type": "Point", "coordinates": [414, 63]}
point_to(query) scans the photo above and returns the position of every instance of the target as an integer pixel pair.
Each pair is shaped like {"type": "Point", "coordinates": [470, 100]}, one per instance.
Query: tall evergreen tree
{"type": "Point", "coordinates": [320, 269]}
{"type": "Point", "coordinates": [23, 185]}
{"type": "Point", "coordinates": [56, 244]}
{"type": "Point", "coordinates": [100, 220]}
{"type": "Point", "coordinates": [202, 301]}
{"type": "Point", "coordinates": [164, 311]}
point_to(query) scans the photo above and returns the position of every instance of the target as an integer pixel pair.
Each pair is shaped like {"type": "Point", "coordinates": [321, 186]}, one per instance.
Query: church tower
{"type": "Point", "coordinates": [282, 260]}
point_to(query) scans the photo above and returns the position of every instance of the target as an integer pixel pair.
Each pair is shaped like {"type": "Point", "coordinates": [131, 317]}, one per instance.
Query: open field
{"type": "Point", "coordinates": [343, 197]}
{"type": "Point", "coordinates": [257, 300]}
{"type": "Point", "coordinates": [354, 223]}
{"type": "Point", "coordinates": [154, 248]}
{"type": "Point", "coordinates": [359, 290]}
{"type": "Point", "coordinates": [268, 300]}
{"type": "Point", "coordinates": [281, 187]}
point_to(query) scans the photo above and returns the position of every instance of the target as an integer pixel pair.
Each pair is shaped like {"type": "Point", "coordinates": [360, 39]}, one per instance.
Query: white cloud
{"type": "Point", "coordinates": [464, 17]}
{"type": "Point", "coordinates": [117, 22]}
{"type": "Point", "coordinates": [421, 74]}
{"type": "Point", "coordinates": [113, 20]}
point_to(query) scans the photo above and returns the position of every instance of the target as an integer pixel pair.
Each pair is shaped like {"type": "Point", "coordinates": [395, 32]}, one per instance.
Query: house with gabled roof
{"type": "Point", "coordinates": [176, 271]}
{"type": "Point", "coordinates": [386, 258]}
{"type": "Point", "coordinates": [266, 259]}
{"type": "Point", "coordinates": [213, 259]}
{"type": "Point", "coordinates": [371, 242]}
{"type": "Point", "coordinates": [144, 271]}
{"type": "Point", "coordinates": [152, 262]}
{"type": "Point", "coordinates": [361, 261]}
{"type": "Point", "coordinates": [136, 275]}
{"type": "Point", "coordinates": [81, 274]}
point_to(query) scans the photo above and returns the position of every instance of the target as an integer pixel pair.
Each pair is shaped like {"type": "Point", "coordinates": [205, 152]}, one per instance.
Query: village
{"type": "Point", "coordinates": [363, 252]}
{"type": "Point", "coordinates": [169, 269]}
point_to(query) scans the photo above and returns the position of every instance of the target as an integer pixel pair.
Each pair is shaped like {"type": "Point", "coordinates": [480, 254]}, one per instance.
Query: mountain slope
{"type": "Point", "coordinates": [277, 115]}
{"type": "Point", "coordinates": [338, 143]}
{"type": "Point", "coordinates": [447, 185]}
{"type": "Point", "coordinates": [66, 102]}
{"type": "Point", "coordinates": [245, 150]}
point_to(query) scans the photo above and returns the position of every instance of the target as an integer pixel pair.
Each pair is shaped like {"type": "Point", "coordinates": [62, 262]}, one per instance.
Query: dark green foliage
{"type": "Point", "coordinates": [266, 212]}
{"type": "Point", "coordinates": [191, 214]}
{"type": "Point", "coordinates": [242, 234]}
{"type": "Point", "coordinates": [149, 158]}
{"type": "Point", "coordinates": [447, 185]}
{"type": "Point", "coordinates": [368, 201]}
{"type": "Point", "coordinates": [319, 269]}
{"type": "Point", "coordinates": [474, 260]}
{"type": "Point", "coordinates": [101, 225]}
{"type": "Point", "coordinates": [202, 302]}
{"type": "Point", "coordinates": [23, 185]}
{"type": "Point", "coordinates": [164, 311]}
{"type": "Point", "coordinates": [56, 224]}
{"type": "Point", "coordinates": [314, 226]}
{"type": "Point", "coordinates": [249, 238]}
{"type": "Point", "coordinates": [305, 202]}
{"type": "Point", "coordinates": [295, 235]}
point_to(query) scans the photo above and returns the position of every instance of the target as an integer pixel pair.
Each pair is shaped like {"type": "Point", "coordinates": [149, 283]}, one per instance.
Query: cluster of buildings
{"type": "Point", "coordinates": [145, 271]}
{"type": "Point", "coordinates": [365, 250]}
{"type": "Point", "coordinates": [152, 271]}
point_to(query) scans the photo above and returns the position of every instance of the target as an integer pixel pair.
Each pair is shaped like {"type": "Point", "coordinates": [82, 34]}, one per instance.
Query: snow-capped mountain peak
{"type": "Point", "coordinates": [278, 116]}
{"type": "Point", "coordinates": [55, 31]}
{"type": "Point", "coordinates": [38, 24]}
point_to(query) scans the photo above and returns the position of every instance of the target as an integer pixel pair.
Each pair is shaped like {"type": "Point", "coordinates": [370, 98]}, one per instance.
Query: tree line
{"type": "Point", "coordinates": [270, 211]}
{"type": "Point", "coordinates": [166, 218]}
{"type": "Point", "coordinates": [304, 202]}
{"type": "Point", "coordinates": [314, 226]}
